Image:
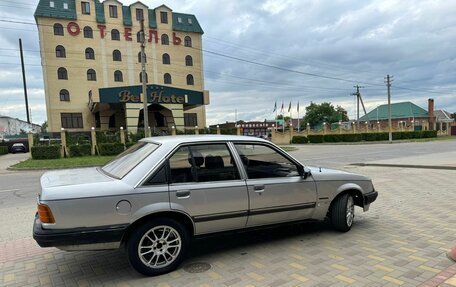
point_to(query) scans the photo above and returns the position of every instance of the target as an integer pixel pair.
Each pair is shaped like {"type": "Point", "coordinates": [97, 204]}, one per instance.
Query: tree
{"type": "Point", "coordinates": [317, 114]}
{"type": "Point", "coordinates": [44, 127]}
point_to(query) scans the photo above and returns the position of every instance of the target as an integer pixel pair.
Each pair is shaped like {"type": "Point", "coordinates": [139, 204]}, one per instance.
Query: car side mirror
{"type": "Point", "coordinates": [303, 172]}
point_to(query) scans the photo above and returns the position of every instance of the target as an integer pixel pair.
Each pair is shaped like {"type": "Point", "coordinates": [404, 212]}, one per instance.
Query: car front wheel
{"type": "Point", "coordinates": [157, 247]}
{"type": "Point", "coordinates": [343, 212]}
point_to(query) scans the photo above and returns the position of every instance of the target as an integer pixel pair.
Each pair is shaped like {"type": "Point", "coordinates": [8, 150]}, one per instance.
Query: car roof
{"type": "Point", "coordinates": [175, 140]}
{"type": "Point", "coordinates": [18, 144]}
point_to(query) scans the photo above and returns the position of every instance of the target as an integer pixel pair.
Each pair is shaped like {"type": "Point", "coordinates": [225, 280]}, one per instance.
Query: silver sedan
{"type": "Point", "coordinates": [159, 193]}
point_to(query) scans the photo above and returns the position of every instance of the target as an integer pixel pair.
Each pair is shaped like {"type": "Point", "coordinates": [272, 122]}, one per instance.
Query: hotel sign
{"type": "Point", "coordinates": [156, 94]}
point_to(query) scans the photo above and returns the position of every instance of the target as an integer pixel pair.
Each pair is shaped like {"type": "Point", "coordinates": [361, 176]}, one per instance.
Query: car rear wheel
{"type": "Point", "coordinates": [157, 247]}
{"type": "Point", "coordinates": [343, 212]}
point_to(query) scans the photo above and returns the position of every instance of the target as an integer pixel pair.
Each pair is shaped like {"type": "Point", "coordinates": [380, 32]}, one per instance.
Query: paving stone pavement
{"type": "Point", "coordinates": [401, 241]}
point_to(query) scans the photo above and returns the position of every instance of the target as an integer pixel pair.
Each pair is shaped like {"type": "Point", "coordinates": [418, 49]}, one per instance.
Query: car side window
{"type": "Point", "coordinates": [262, 161]}
{"type": "Point", "coordinates": [158, 178]}
{"type": "Point", "coordinates": [203, 163]}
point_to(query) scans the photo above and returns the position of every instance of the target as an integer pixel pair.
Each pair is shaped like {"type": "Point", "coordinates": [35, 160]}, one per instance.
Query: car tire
{"type": "Point", "coordinates": [343, 212]}
{"type": "Point", "coordinates": [157, 247]}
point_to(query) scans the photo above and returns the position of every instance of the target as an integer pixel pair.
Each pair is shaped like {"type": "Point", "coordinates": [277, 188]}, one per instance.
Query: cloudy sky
{"type": "Point", "coordinates": [260, 52]}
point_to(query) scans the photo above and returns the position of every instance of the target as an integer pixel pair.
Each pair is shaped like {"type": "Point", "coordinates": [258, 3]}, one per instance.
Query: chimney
{"type": "Point", "coordinates": [431, 113]}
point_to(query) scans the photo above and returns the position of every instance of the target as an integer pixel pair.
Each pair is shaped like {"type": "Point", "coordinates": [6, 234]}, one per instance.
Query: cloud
{"type": "Point", "coordinates": [359, 41]}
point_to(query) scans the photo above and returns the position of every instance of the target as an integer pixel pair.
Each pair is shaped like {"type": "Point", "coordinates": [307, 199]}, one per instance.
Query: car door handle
{"type": "Point", "coordinates": [258, 188]}
{"type": "Point", "coordinates": [183, 193]}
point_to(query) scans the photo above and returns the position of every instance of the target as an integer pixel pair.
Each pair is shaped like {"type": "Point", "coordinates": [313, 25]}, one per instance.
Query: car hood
{"type": "Point", "coordinates": [320, 173]}
{"type": "Point", "coordinates": [73, 177]}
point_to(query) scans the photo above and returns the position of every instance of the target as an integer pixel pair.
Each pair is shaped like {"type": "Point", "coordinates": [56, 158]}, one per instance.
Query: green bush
{"type": "Point", "coordinates": [299, 140]}
{"type": "Point", "coordinates": [351, 137]}
{"type": "Point", "coordinates": [3, 149]}
{"type": "Point", "coordinates": [111, 148]}
{"type": "Point", "coordinates": [429, 134]}
{"type": "Point", "coordinates": [332, 138]}
{"type": "Point", "coordinates": [46, 152]}
{"type": "Point", "coordinates": [315, 138]}
{"type": "Point", "coordinates": [80, 150]}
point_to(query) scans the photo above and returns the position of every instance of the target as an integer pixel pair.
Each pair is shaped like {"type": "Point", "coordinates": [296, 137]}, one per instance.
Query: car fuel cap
{"type": "Point", "coordinates": [123, 207]}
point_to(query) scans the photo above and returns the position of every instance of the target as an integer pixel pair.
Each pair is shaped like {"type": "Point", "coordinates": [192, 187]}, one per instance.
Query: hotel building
{"type": "Point", "coordinates": [90, 54]}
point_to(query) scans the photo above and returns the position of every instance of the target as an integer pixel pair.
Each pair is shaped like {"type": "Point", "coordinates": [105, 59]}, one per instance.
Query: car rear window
{"type": "Point", "coordinates": [127, 160]}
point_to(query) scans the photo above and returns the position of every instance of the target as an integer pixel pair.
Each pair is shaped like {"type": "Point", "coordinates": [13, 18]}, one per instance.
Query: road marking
{"type": "Point", "coordinates": [9, 190]}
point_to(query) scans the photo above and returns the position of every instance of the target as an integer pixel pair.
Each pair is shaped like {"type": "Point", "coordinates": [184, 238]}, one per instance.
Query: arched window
{"type": "Point", "coordinates": [140, 78]}
{"type": "Point", "coordinates": [165, 39]}
{"type": "Point", "coordinates": [167, 78]}
{"type": "Point", "coordinates": [116, 55]}
{"type": "Point", "coordinates": [91, 75]}
{"type": "Point", "coordinates": [139, 57]}
{"type": "Point", "coordinates": [187, 41]}
{"type": "Point", "coordinates": [88, 32]}
{"type": "Point", "coordinates": [62, 74]}
{"type": "Point", "coordinates": [90, 54]}
{"type": "Point", "coordinates": [64, 95]}
{"type": "Point", "coordinates": [60, 51]}
{"type": "Point", "coordinates": [118, 77]}
{"type": "Point", "coordinates": [190, 80]}
{"type": "Point", "coordinates": [166, 59]}
{"type": "Point", "coordinates": [58, 29]}
{"type": "Point", "coordinates": [138, 37]}
{"type": "Point", "coordinates": [115, 35]}
{"type": "Point", "coordinates": [188, 60]}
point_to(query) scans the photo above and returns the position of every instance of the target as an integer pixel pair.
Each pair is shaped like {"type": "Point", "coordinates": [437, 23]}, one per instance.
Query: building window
{"type": "Point", "coordinates": [85, 8]}
{"type": "Point", "coordinates": [60, 51]}
{"type": "Point", "coordinates": [190, 80]}
{"type": "Point", "coordinates": [139, 14]}
{"type": "Point", "coordinates": [58, 29]}
{"type": "Point", "coordinates": [71, 120]}
{"type": "Point", "coordinates": [167, 78]}
{"type": "Point", "coordinates": [64, 95]}
{"type": "Point", "coordinates": [91, 75]}
{"type": "Point", "coordinates": [88, 32]}
{"type": "Point", "coordinates": [179, 20]}
{"type": "Point", "coordinates": [51, 4]}
{"type": "Point", "coordinates": [138, 37]}
{"type": "Point", "coordinates": [116, 56]}
{"type": "Point", "coordinates": [188, 60]}
{"type": "Point", "coordinates": [115, 35]}
{"type": "Point", "coordinates": [113, 11]}
{"type": "Point", "coordinates": [139, 58]}
{"type": "Point", "coordinates": [118, 77]}
{"type": "Point", "coordinates": [164, 17]}
{"type": "Point", "coordinates": [65, 6]}
{"type": "Point", "coordinates": [140, 78]}
{"type": "Point", "coordinates": [166, 59]}
{"type": "Point", "coordinates": [190, 119]}
{"type": "Point", "coordinates": [190, 21]}
{"type": "Point", "coordinates": [90, 54]}
{"type": "Point", "coordinates": [165, 39]}
{"type": "Point", "coordinates": [62, 74]}
{"type": "Point", "coordinates": [187, 41]}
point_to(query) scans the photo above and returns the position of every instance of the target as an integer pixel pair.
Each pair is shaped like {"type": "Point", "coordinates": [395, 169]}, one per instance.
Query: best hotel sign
{"type": "Point", "coordinates": [156, 94]}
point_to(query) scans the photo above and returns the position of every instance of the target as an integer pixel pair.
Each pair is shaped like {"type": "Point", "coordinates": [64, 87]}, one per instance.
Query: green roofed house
{"type": "Point", "coordinates": [404, 115]}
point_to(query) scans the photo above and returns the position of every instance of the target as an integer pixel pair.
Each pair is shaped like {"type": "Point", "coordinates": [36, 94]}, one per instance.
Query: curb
{"type": "Point", "coordinates": [406, 166]}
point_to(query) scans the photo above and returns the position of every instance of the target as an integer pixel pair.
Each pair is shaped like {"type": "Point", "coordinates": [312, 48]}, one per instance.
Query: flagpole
{"type": "Point", "coordinates": [299, 127]}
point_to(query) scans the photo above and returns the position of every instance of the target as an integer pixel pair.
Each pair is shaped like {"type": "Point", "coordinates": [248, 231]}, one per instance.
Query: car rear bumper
{"type": "Point", "coordinates": [76, 236]}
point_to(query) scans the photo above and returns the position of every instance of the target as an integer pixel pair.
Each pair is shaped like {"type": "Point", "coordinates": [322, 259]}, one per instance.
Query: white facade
{"type": "Point", "coordinates": [11, 126]}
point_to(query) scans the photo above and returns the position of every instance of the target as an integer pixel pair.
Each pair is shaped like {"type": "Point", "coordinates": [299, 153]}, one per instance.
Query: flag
{"type": "Point", "coordinates": [289, 107]}
{"type": "Point", "coordinates": [281, 109]}
{"type": "Point", "coordinates": [275, 107]}
{"type": "Point", "coordinates": [298, 107]}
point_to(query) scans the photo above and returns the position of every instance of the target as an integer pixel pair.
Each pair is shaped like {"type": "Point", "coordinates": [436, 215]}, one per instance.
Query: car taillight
{"type": "Point", "coordinates": [45, 214]}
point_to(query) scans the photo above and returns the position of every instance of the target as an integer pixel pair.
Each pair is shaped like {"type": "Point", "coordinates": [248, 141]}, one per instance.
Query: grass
{"type": "Point", "coordinates": [72, 162]}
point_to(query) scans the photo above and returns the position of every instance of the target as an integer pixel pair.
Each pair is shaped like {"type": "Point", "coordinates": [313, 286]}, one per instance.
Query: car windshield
{"type": "Point", "coordinates": [127, 160]}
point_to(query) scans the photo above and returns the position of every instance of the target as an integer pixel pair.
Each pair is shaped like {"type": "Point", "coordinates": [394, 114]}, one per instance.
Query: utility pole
{"type": "Point", "coordinates": [389, 79]}
{"type": "Point", "coordinates": [24, 82]}
{"type": "Point", "coordinates": [143, 79]}
{"type": "Point", "coordinates": [358, 98]}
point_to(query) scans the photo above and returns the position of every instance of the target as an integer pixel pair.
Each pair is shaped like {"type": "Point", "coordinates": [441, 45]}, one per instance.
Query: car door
{"type": "Point", "coordinates": [277, 191]}
{"type": "Point", "coordinates": [206, 184]}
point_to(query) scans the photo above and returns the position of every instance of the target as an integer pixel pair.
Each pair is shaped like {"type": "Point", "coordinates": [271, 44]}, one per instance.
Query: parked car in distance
{"type": "Point", "coordinates": [159, 193]}
{"type": "Point", "coordinates": [18, 147]}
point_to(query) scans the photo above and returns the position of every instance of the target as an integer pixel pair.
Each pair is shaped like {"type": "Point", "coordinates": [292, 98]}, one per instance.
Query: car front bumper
{"type": "Point", "coordinates": [76, 236]}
